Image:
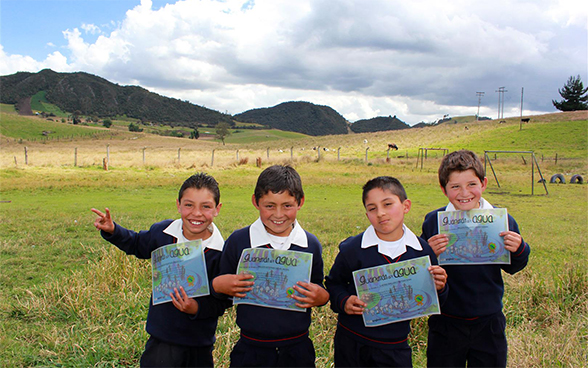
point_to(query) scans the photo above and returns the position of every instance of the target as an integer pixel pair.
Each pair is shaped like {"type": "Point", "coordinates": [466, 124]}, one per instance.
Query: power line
{"type": "Point", "coordinates": [479, 94]}
{"type": "Point", "coordinates": [501, 91]}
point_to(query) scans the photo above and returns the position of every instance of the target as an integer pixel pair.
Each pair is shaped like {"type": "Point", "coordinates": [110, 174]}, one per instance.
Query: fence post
{"type": "Point", "coordinates": [268, 153]}
{"type": "Point", "coordinates": [318, 150]}
{"type": "Point", "coordinates": [212, 159]}
{"type": "Point", "coordinates": [556, 158]}
{"type": "Point", "coordinates": [107, 154]}
{"type": "Point", "coordinates": [76, 157]}
{"type": "Point", "coordinates": [26, 156]}
{"type": "Point", "coordinates": [292, 154]}
{"type": "Point", "coordinates": [339, 154]}
{"type": "Point", "coordinates": [366, 155]}
{"type": "Point", "coordinates": [237, 155]}
{"type": "Point", "coordinates": [144, 155]}
{"type": "Point", "coordinates": [179, 149]}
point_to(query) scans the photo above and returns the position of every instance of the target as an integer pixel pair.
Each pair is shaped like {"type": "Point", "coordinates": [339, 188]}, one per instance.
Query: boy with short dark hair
{"type": "Point", "coordinates": [387, 240]}
{"type": "Point", "coordinates": [471, 328]}
{"type": "Point", "coordinates": [273, 337]}
{"type": "Point", "coordinates": [181, 332]}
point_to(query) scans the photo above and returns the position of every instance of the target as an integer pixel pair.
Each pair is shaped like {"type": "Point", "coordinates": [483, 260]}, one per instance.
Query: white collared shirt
{"type": "Point", "coordinates": [484, 205]}
{"type": "Point", "coordinates": [391, 249]}
{"type": "Point", "coordinates": [215, 242]}
{"type": "Point", "coordinates": [258, 236]}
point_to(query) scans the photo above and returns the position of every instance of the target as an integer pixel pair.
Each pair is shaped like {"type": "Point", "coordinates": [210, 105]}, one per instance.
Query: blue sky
{"type": "Point", "coordinates": [417, 60]}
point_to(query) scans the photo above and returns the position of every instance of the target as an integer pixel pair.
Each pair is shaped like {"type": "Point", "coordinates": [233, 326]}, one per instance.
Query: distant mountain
{"type": "Point", "coordinates": [301, 117]}
{"type": "Point", "coordinates": [378, 124]}
{"type": "Point", "coordinates": [92, 95]}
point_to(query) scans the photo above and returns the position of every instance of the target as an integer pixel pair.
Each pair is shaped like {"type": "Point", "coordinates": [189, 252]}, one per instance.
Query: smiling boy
{"type": "Point", "coordinates": [471, 327]}
{"type": "Point", "coordinates": [273, 337]}
{"type": "Point", "coordinates": [387, 240]}
{"type": "Point", "coordinates": [181, 332]}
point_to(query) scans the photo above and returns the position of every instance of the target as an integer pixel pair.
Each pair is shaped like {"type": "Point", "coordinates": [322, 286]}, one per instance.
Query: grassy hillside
{"type": "Point", "coordinates": [40, 104]}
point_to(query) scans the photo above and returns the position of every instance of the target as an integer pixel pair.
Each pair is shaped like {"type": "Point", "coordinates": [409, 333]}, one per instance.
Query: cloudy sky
{"type": "Point", "coordinates": [418, 60]}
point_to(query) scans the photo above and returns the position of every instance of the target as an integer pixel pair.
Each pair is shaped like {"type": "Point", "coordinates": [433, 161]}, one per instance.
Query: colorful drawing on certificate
{"type": "Point", "coordinates": [397, 292]}
{"type": "Point", "coordinates": [175, 265]}
{"type": "Point", "coordinates": [275, 273]}
{"type": "Point", "coordinates": [473, 236]}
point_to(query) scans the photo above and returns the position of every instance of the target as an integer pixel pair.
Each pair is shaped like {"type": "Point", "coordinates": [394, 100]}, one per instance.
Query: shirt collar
{"type": "Point", "coordinates": [215, 242]}
{"type": "Point", "coordinates": [258, 235]}
{"type": "Point", "coordinates": [484, 205]}
{"type": "Point", "coordinates": [391, 249]}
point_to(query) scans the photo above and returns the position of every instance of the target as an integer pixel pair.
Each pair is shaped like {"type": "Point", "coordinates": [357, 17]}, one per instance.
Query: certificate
{"type": "Point", "coordinates": [473, 236]}
{"type": "Point", "coordinates": [175, 265]}
{"type": "Point", "coordinates": [397, 292]}
{"type": "Point", "coordinates": [275, 273]}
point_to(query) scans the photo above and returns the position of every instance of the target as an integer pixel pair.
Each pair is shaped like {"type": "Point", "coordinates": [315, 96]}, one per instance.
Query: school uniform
{"type": "Point", "coordinates": [176, 338]}
{"type": "Point", "coordinates": [471, 326]}
{"type": "Point", "coordinates": [355, 344]}
{"type": "Point", "coordinates": [272, 337]}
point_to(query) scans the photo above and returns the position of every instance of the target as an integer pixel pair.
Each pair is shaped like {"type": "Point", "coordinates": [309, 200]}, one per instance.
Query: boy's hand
{"type": "Point", "coordinates": [183, 302]}
{"type": "Point", "coordinates": [233, 285]}
{"type": "Point", "coordinates": [438, 243]}
{"type": "Point", "coordinates": [314, 295]}
{"type": "Point", "coordinates": [104, 221]}
{"type": "Point", "coordinates": [512, 240]}
{"type": "Point", "coordinates": [439, 276]}
{"type": "Point", "coordinates": [354, 305]}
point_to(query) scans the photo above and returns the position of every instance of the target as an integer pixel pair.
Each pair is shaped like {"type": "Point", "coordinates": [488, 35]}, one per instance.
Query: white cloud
{"type": "Point", "coordinates": [416, 60]}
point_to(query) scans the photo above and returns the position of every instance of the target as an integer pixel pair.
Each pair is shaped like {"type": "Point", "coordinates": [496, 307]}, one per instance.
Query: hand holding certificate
{"type": "Point", "coordinates": [474, 236]}
{"type": "Point", "coordinates": [397, 292]}
{"type": "Point", "coordinates": [275, 273]}
{"type": "Point", "coordinates": [179, 265]}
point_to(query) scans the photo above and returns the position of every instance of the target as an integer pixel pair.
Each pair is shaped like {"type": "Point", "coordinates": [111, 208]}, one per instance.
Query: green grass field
{"type": "Point", "coordinates": [40, 104]}
{"type": "Point", "coordinates": [70, 299]}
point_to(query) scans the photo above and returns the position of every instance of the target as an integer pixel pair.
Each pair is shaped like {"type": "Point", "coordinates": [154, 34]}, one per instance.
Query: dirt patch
{"type": "Point", "coordinates": [24, 106]}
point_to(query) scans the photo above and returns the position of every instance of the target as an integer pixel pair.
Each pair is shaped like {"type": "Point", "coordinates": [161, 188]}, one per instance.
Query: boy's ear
{"type": "Point", "coordinates": [178, 205]}
{"type": "Point", "coordinates": [406, 204]}
{"type": "Point", "coordinates": [254, 201]}
{"type": "Point", "coordinates": [218, 208]}
{"type": "Point", "coordinates": [443, 190]}
{"type": "Point", "coordinates": [301, 202]}
{"type": "Point", "coordinates": [484, 184]}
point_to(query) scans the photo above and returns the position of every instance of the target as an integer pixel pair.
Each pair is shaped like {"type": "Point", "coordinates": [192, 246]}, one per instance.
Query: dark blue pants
{"type": "Point", "coordinates": [300, 354]}
{"type": "Point", "coordinates": [352, 353]}
{"type": "Point", "coordinates": [479, 343]}
{"type": "Point", "coordinates": [161, 354]}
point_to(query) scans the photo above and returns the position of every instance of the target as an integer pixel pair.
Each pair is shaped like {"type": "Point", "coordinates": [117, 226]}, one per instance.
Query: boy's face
{"type": "Point", "coordinates": [278, 211]}
{"type": "Point", "coordinates": [464, 190]}
{"type": "Point", "coordinates": [386, 213]}
{"type": "Point", "coordinates": [197, 209]}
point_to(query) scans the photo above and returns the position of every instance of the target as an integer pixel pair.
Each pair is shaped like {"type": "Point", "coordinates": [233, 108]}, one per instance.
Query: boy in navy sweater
{"type": "Point", "coordinates": [470, 329]}
{"type": "Point", "coordinates": [386, 240]}
{"type": "Point", "coordinates": [181, 332]}
{"type": "Point", "coordinates": [273, 337]}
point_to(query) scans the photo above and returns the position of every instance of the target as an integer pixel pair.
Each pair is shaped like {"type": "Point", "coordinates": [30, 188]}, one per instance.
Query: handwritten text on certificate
{"type": "Point", "coordinates": [397, 292]}
{"type": "Point", "coordinates": [473, 236]}
{"type": "Point", "coordinates": [175, 265]}
{"type": "Point", "coordinates": [275, 273]}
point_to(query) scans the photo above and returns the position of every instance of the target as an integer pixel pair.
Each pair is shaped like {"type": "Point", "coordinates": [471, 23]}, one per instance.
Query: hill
{"type": "Point", "coordinates": [301, 117]}
{"type": "Point", "coordinates": [92, 95]}
{"type": "Point", "coordinates": [378, 124]}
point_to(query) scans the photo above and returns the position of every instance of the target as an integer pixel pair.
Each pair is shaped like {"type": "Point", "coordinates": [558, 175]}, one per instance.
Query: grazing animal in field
{"type": "Point", "coordinates": [365, 141]}
{"type": "Point", "coordinates": [393, 146]}
{"type": "Point", "coordinates": [325, 149]}
{"type": "Point", "coordinates": [466, 127]}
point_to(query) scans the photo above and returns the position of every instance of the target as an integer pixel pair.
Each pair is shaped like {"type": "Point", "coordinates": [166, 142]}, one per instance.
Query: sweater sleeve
{"type": "Point", "coordinates": [520, 258]}
{"type": "Point", "coordinates": [339, 283]}
{"type": "Point", "coordinates": [139, 244]}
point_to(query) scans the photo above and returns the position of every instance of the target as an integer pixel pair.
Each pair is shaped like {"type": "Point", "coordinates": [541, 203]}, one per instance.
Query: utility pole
{"type": "Point", "coordinates": [501, 91]}
{"type": "Point", "coordinates": [479, 94]}
{"type": "Point", "coordinates": [521, 123]}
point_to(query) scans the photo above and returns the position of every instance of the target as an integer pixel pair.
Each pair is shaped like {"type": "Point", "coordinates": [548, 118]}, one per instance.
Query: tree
{"type": "Point", "coordinates": [135, 128]}
{"type": "Point", "coordinates": [195, 134]}
{"type": "Point", "coordinates": [222, 131]}
{"type": "Point", "coordinates": [574, 96]}
{"type": "Point", "coordinates": [107, 123]}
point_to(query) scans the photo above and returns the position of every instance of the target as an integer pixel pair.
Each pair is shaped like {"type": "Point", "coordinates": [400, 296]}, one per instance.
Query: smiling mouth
{"type": "Point", "coordinates": [278, 222]}
{"type": "Point", "coordinates": [196, 223]}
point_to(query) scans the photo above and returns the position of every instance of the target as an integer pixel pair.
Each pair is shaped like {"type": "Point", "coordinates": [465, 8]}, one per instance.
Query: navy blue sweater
{"type": "Point", "coordinates": [165, 321]}
{"type": "Point", "coordinates": [340, 285]}
{"type": "Point", "coordinates": [476, 290]}
{"type": "Point", "coordinates": [270, 326]}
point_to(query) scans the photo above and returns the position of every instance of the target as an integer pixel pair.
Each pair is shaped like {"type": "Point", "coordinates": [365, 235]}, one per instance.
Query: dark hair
{"type": "Point", "coordinates": [385, 183]}
{"type": "Point", "coordinates": [278, 178]}
{"type": "Point", "coordinates": [461, 160]}
{"type": "Point", "coordinates": [201, 181]}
